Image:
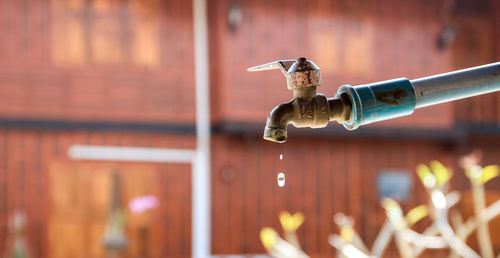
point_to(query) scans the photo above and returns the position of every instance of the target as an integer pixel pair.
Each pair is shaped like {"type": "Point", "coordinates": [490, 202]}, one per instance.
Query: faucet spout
{"type": "Point", "coordinates": [277, 122]}
{"type": "Point", "coordinates": [313, 112]}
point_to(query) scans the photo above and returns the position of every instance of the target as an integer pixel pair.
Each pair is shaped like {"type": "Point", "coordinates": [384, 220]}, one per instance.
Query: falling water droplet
{"type": "Point", "coordinates": [281, 156]}
{"type": "Point", "coordinates": [281, 179]}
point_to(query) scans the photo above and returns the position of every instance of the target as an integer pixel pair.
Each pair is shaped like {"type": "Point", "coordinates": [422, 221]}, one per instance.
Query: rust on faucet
{"type": "Point", "coordinates": [307, 108]}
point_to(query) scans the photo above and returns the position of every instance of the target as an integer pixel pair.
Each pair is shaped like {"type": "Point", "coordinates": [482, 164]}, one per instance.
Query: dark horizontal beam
{"type": "Point", "coordinates": [334, 130]}
{"type": "Point", "coordinates": [458, 133]}
{"type": "Point", "coordinates": [97, 126]}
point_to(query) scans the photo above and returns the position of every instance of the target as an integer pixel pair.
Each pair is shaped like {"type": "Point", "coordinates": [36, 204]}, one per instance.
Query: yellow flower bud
{"type": "Point", "coordinates": [268, 237]}
{"type": "Point", "coordinates": [291, 223]}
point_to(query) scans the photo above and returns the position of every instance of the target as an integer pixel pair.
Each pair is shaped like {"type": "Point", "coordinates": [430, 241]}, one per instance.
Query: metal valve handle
{"type": "Point", "coordinates": [299, 73]}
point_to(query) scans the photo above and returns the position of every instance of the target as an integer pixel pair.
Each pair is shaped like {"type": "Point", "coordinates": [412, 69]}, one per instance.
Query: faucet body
{"type": "Point", "coordinates": [312, 110]}
{"type": "Point", "coordinates": [307, 108]}
{"type": "Point", "coordinates": [365, 104]}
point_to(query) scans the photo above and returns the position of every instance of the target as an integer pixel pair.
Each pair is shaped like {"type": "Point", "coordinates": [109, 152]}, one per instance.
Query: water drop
{"type": "Point", "coordinates": [281, 156]}
{"type": "Point", "coordinates": [281, 179]}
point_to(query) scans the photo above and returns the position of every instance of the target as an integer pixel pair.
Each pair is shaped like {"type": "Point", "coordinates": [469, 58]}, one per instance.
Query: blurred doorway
{"type": "Point", "coordinates": [81, 196]}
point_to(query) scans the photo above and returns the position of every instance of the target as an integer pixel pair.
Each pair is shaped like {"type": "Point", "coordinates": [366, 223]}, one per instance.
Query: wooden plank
{"type": "Point", "coordinates": [163, 220]}
{"type": "Point", "coordinates": [252, 225]}
{"type": "Point", "coordinates": [219, 197]}
{"type": "Point", "coordinates": [175, 198]}
{"type": "Point", "coordinates": [15, 171]}
{"type": "Point", "coordinates": [310, 198]}
{"type": "Point", "coordinates": [379, 151]}
{"type": "Point", "coordinates": [187, 236]}
{"type": "Point", "coordinates": [276, 166]}
{"type": "Point", "coordinates": [235, 195]}
{"type": "Point", "coordinates": [340, 176]}
{"type": "Point", "coordinates": [369, 194]}
{"type": "Point", "coordinates": [268, 213]}
{"type": "Point", "coordinates": [325, 196]}
{"type": "Point", "coordinates": [411, 165]}
{"type": "Point", "coordinates": [33, 194]}
{"type": "Point", "coordinates": [354, 191]}
{"type": "Point", "coordinates": [3, 190]}
{"type": "Point", "coordinates": [294, 160]}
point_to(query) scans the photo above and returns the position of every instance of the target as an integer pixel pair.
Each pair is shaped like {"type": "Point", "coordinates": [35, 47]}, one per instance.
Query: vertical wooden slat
{"type": "Point", "coordinates": [380, 162]}
{"type": "Point", "coordinates": [294, 175]}
{"type": "Point", "coordinates": [187, 210]}
{"type": "Point", "coordinates": [411, 165]}
{"type": "Point", "coordinates": [369, 207]}
{"type": "Point", "coordinates": [354, 190]}
{"type": "Point", "coordinates": [172, 207]}
{"type": "Point", "coordinates": [268, 214]}
{"type": "Point", "coordinates": [340, 176]}
{"type": "Point", "coordinates": [309, 194]}
{"type": "Point", "coordinates": [279, 166]}
{"type": "Point", "coordinates": [13, 158]}
{"type": "Point", "coordinates": [236, 200]}
{"type": "Point", "coordinates": [325, 196]}
{"type": "Point", "coordinates": [31, 197]}
{"type": "Point", "coordinates": [3, 190]}
{"type": "Point", "coordinates": [251, 199]}
{"type": "Point", "coordinates": [219, 192]}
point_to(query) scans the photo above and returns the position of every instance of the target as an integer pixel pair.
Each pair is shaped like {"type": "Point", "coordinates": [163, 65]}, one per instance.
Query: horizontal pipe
{"type": "Point", "coordinates": [456, 85]}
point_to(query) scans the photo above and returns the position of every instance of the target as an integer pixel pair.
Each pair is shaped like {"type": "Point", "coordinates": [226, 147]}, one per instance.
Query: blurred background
{"type": "Point", "coordinates": [121, 73]}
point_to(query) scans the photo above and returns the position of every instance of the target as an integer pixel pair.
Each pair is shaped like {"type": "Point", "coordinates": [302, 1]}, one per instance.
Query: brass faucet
{"type": "Point", "coordinates": [354, 106]}
{"type": "Point", "coordinates": [307, 108]}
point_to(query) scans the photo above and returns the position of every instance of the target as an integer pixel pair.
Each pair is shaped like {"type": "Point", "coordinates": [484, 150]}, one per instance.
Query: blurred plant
{"type": "Point", "coordinates": [114, 239]}
{"type": "Point", "coordinates": [440, 234]}
{"type": "Point", "coordinates": [288, 247]}
{"type": "Point", "coordinates": [16, 244]}
{"type": "Point", "coordinates": [478, 177]}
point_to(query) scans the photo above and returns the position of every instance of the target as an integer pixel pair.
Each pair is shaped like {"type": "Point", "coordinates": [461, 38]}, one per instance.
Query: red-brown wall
{"type": "Point", "coordinates": [97, 61]}
{"type": "Point", "coordinates": [323, 177]}
{"type": "Point", "coordinates": [121, 73]}
{"type": "Point", "coordinates": [36, 174]}
{"type": "Point", "coordinates": [352, 42]}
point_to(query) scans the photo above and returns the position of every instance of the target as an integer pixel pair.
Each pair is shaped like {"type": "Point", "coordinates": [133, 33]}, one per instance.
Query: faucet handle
{"type": "Point", "coordinates": [283, 65]}
{"type": "Point", "coordinates": [299, 73]}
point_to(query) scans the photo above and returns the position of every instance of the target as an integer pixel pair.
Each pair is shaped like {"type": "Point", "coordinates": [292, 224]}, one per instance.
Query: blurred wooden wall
{"type": "Point", "coordinates": [67, 202]}
{"type": "Point", "coordinates": [323, 177]}
{"type": "Point", "coordinates": [97, 60]}
{"type": "Point", "coordinates": [353, 42]}
{"type": "Point", "coordinates": [109, 72]}
{"type": "Point", "coordinates": [117, 72]}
